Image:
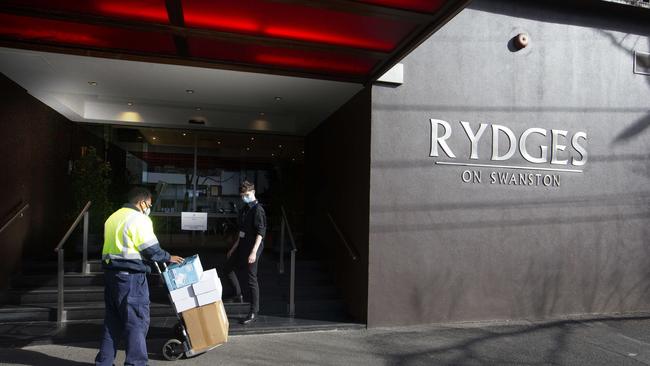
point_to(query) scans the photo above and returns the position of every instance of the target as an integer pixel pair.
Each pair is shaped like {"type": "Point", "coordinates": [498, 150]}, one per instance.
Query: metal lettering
{"type": "Point", "coordinates": [435, 140]}
{"type": "Point", "coordinates": [557, 147]}
{"type": "Point", "coordinates": [473, 138]}
{"type": "Point", "coordinates": [495, 142]}
{"type": "Point", "coordinates": [524, 151]}
{"type": "Point", "coordinates": [579, 148]}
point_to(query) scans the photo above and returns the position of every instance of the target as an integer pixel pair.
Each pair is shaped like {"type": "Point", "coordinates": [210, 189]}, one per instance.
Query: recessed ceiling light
{"type": "Point", "coordinates": [184, 134]}
{"type": "Point", "coordinates": [92, 83]}
{"type": "Point", "coordinates": [140, 137]}
{"type": "Point", "coordinates": [129, 104]}
{"type": "Point", "coordinates": [198, 108]}
{"type": "Point", "coordinates": [293, 159]}
{"type": "Point", "coordinates": [218, 142]}
{"type": "Point", "coordinates": [252, 138]}
{"type": "Point", "coordinates": [189, 91]}
{"type": "Point", "coordinates": [154, 137]}
{"type": "Point", "coordinates": [277, 99]}
{"type": "Point", "coordinates": [303, 151]}
{"type": "Point", "coordinates": [280, 146]}
{"type": "Point", "coordinates": [272, 154]}
{"type": "Point", "coordinates": [261, 114]}
{"type": "Point", "coordinates": [248, 149]}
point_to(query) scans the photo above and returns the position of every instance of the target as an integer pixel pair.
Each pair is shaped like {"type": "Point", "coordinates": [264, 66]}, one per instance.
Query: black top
{"type": "Point", "coordinates": [252, 222]}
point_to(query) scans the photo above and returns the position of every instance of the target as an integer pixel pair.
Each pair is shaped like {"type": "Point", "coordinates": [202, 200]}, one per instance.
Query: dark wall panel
{"type": "Point", "coordinates": [338, 178]}
{"type": "Point", "coordinates": [34, 154]}
{"type": "Point", "coordinates": [442, 250]}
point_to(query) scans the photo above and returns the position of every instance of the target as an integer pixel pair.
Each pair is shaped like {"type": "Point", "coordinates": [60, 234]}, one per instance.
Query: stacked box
{"type": "Point", "coordinates": [206, 326]}
{"type": "Point", "coordinates": [179, 275]}
{"type": "Point", "coordinates": [206, 291]}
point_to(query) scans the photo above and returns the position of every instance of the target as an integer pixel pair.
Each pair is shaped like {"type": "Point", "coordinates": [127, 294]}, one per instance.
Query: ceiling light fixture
{"type": "Point", "coordinates": [184, 134]}
{"type": "Point", "coordinates": [280, 146]}
{"type": "Point", "coordinates": [277, 99]}
{"type": "Point", "coordinates": [248, 149]}
{"type": "Point", "coordinates": [92, 83]}
{"type": "Point", "coordinates": [197, 108]}
{"type": "Point", "coordinates": [252, 138]}
{"type": "Point", "coordinates": [154, 137]}
{"type": "Point", "coordinates": [129, 104]}
{"type": "Point", "coordinates": [218, 142]}
{"type": "Point", "coordinates": [261, 114]}
{"type": "Point", "coordinates": [189, 91]}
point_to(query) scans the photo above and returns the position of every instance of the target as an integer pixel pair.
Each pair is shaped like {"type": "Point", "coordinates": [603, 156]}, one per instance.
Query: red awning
{"type": "Point", "coordinates": [335, 39]}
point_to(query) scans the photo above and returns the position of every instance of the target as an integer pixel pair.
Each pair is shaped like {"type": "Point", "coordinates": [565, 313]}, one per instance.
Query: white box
{"type": "Point", "coordinates": [209, 282]}
{"type": "Point", "coordinates": [186, 304]}
{"type": "Point", "coordinates": [209, 297]}
{"type": "Point", "coordinates": [181, 293]}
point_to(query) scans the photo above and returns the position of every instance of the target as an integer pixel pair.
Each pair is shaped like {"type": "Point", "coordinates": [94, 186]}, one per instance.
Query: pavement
{"type": "Point", "coordinates": [605, 341]}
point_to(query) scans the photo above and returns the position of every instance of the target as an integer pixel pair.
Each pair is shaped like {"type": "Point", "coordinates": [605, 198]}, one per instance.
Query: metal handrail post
{"type": "Point", "coordinates": [292, 288]}
{"type": "Point", "coordinates": [281, 265]}
{"type": "Point", "coordinates": [60, 311]}
{"type": "Point", "coordinates": [84, 260]}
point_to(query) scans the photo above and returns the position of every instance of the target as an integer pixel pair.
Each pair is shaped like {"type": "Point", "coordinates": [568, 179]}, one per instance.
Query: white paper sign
{"type": "Point", "coordinates": [196, 221]}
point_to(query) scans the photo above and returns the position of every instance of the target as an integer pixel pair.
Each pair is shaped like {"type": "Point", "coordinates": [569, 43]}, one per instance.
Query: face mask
{"type": "Point", "coordinates": [147, 210]}
{"type": "Point", "coordinates": [247, 199]}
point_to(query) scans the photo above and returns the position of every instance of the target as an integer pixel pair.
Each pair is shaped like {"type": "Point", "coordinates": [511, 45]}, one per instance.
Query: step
{"type": "Point", "coordinates": [95, 310]}
{"type": "Point", "coordinates": [160, 330]}
{"type": "Point", "coordinates": [157, 293]}
{"type": "Point", "coordinates": [89, 311]}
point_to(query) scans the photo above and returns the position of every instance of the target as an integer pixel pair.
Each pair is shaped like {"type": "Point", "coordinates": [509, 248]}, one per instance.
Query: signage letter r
{"type": "Point", "coordinates": [436, 140]}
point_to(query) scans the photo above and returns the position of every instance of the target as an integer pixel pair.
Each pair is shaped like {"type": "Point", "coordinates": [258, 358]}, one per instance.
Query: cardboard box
{"type": "Point", "coordinates": [186, 304]}
{"type": "Point", "coordinates": [181, 293]}
{"type": "Point", "coordinates": [183, 274]}
{"type": "Point", "coordinates": [207, 326]}
{"type": "Point", "coordinates": [209, 282]}
{"type": "Point", "coordinates": [209, 297]}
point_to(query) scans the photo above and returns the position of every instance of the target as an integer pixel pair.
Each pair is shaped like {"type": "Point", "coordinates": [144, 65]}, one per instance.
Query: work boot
{"type": "Point", "coordinates": [236, 298]}
{"type": "Point", "coordinates": [250, 318]}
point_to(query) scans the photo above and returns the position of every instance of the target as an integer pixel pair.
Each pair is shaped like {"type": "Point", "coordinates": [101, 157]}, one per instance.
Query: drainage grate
{"type": "Point", "coordinates": [641, 63]}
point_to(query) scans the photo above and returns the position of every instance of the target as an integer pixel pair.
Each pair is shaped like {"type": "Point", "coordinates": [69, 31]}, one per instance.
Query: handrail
{"type": "Point", "coordinates": [350, 248]}
{"type": "Point", "coordinates": [292, 276]}
{"type": "Point", "coordinates": [14, 217]}
{"type": "Point", "coordinates": [284, 216]}
{"type": "Point", "coordinates": [61, 316]}
{"type": "Point", "coordinates": [72, 227]}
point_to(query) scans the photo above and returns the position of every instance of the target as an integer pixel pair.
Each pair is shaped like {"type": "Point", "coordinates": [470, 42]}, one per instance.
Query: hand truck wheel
{"type": "Point", "coordinates": [172, 350]}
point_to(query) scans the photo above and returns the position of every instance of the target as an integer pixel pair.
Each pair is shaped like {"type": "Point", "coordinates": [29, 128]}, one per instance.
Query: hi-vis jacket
{"type": "Point", "coordinates": [129, 240]}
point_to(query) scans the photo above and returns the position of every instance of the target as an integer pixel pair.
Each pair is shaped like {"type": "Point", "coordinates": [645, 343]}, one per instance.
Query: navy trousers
{"type": "Point", "coordinates": [127, 318]}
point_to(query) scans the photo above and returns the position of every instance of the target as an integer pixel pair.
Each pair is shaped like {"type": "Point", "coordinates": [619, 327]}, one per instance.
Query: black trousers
{"type": "Point", "coordinates": [238, 261]}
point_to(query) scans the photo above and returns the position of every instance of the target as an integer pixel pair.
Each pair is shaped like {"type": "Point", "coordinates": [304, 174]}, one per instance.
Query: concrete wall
{"type": "Point", "coordinates": [337, 160]}
{"type": "Point", "coordinates": [34, 154]}
{"type": "Point", "coordinates": [442, 250]}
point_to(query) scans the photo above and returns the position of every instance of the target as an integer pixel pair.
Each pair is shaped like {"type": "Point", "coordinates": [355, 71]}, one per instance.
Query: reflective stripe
{"type": "Point", "coordinates": [147, 244]}
{"type": "Point", "coordinates": [122, 256]}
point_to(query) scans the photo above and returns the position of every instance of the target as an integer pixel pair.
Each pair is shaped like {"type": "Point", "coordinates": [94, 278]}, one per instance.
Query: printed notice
{"type": "Point", "coordinates": [195, 221]}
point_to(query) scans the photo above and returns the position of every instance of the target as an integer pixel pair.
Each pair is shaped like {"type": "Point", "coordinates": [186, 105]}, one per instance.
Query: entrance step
{"type": "Point", "coordinates": [160, 330]}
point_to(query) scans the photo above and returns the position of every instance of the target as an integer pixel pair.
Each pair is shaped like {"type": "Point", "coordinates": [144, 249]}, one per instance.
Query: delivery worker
{"type": "Point", "coordinates": [247, 249]}
{"type": "Point", "coordinates": [129, 241]}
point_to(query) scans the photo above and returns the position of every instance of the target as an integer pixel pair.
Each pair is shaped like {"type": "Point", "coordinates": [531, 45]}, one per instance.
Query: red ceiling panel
{"type": "Point", "coordinates": [297, 59]}
{"type": "Point", "coordinates": [297, 22]}
{"type": "Point", "coordinates": [428, 6]}
{"type": "Point", "coordinates": [55, 31]}
{"type": "Point", "coordinates": [144, 10]}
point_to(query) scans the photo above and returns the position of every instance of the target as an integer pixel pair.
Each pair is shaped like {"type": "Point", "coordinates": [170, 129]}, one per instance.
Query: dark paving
{"type": "Point", "coordinates": [606, 342]}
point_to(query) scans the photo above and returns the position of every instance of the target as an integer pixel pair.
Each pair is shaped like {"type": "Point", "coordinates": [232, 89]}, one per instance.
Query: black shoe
{"type": "Point", "coordinates": [250, 318]}
{"type": "Point", "coordinates": [236, 298]}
